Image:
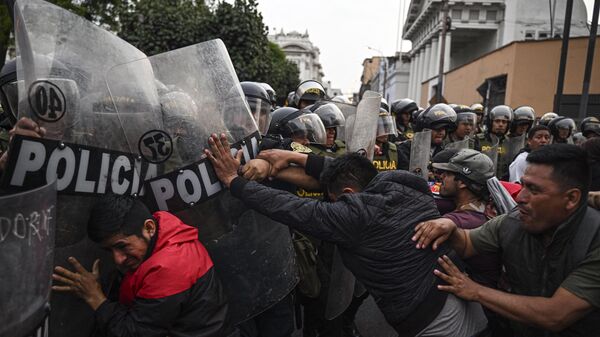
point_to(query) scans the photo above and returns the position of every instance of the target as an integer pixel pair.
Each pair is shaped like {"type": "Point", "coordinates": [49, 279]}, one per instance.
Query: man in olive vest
{"type": "Point", "coordinates": [493, 141]}
{"type": "Point", "coordinates": [550, 248]}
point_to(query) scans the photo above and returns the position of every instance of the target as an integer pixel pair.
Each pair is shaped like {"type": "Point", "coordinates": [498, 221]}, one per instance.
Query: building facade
{"type": "Point", "coordinates": [478, 27]}
{"type": "Point", "coordinates": [299, 49]}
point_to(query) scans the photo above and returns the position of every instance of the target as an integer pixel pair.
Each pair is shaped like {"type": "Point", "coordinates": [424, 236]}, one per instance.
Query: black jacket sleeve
{"type": "Point", "coordinates": [339, 222]}
{"type": "Point", "coordinates": [200, 311]}
{"type": "Point", "coordinates": [404, 155]}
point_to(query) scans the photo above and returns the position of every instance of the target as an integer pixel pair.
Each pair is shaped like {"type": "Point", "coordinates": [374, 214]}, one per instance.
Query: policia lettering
{"type": "Point", "coordinates": [385, 165]}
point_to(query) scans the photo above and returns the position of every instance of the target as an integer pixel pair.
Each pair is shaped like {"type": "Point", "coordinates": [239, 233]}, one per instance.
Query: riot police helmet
{"type": "Point", "coordinates": [330, 114]}
{"type": "Point", "coordinates": [567, 125]}
{"type": "Point", "coordinates": [547, 117]}
{"type": "Point", "coordinates": [259, 103]}
{"type": "Point", "coordinates": [590, 127]}
{"type": "Point", "coordinates": [271, 92]}
{"type": "Point", "coordinates": [404, 105]}
{"type": "Point", "coordinates": [500, 112]}
{"type": "Point", "coordinates": [386, 125]}
{"type": "Point", "coordinates": [436, 117]}
{"type": "Point", "coordinates": [522, 115]}
{"type": "Point", "coordinates": [477, 108]}
{"type": "Point", "coordinates": [290, 101]}
{"type": "Point", "coordinates": [308, 92]}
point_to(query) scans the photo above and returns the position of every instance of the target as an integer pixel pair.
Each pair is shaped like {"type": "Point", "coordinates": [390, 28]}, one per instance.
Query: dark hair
{"type": "Point", "coordinates": [535, 129]}
{"type": "Point", "coordinates": [117, 214]}
{"type": "Point", "coordinates": [569, 164]}
{"type": "Point", "coordinates": [480, 190]}
{"type": "Point", "coordinates": [592, 147]}
{"type": "Point", "coordinates": [349, 170]}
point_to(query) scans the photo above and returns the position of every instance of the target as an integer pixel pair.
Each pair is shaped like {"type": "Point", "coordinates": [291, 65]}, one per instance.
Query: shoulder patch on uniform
{"type": "Point", "coordinates": [297, 147]}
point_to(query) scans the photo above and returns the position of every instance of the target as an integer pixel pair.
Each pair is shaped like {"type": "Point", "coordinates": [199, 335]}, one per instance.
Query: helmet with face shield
{"type": "Point", "coordinates": [301, 127]}
{"type": "Point", "coordinates": [590, 127]}
{"type": "Point", "coordinates": [308, 92]}
{"type": "Point", "coordinates": [259, 102]}
{"type": "Point", "coordinates": [386, 125]}
{"type": "Point", "coordinates": [562, 128]}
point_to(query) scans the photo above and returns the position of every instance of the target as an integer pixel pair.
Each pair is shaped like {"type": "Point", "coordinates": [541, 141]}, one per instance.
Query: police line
{"type": "Point", "coordinates": [86, 170]}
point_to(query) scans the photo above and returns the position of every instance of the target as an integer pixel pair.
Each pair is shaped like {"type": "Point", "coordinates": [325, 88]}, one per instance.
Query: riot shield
{"type": "Point", "coordinates": [361, 131]}
{"type": "Point", "coordinates": [492, 151]}
{"type": "Point", "coordinates": [27, 229]}
{"type": "Point", "coordinates": [349, 112]}
{"type": "Point", "coordinates": [514, 146]}
{"type": "Point", "coordinates": [341, 287]}
{"type": "Point", "coordinates": [62, 60]}
{"type": "Point", "coordinates": [199, 94]}
{"type": "Point", "coordinates": [458, 145]}
{"type": "Point", "coordinates": [501, 197]}
{"type": "Point", "coordinates": [420, 153]}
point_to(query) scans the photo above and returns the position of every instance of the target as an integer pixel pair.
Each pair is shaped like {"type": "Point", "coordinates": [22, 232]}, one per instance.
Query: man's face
{"type": "Point", "coordinates": [463, 129]}
{"type": "Point", "coordinates": [437, 136]}
{"type": "Point", "coordinates": [542, 201]}
{"type": "Point", "coordinates": [382, 139]}
{"type": "Point", "coordinates": [521, 129]}
{"type": "Point", "coordinates": [128, 251]}
{"type": "Point", "coordinates": [479, 117]}
{"type": "Point", "coordinates": [540, 138]}
{"type": "Point", "coordinates": [499, 126]}
{"type": "Point", "coordinates": [405, 118]}
{"type": "Point", "coordinates": [449, 187]}
{"type": "Point", "coordinates": [330, 136]}
{"type": "Point", "coordinates": [564, 133]}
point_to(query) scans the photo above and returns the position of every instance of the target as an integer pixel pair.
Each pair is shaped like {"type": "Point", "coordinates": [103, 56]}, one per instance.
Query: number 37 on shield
{"type": "Point", "coordinates": [47, 101]}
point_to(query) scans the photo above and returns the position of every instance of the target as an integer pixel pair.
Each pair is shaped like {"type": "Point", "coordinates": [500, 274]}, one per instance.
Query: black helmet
{"type": "Point", "coordinates": [259, 102]}
{"type": "Point", "coordinates": [330, 114]}
{"type": "Point", "coordinates": [271, 92]}
{"type": "Point", "coordinates": [547, 117]}
{"type": "Point", "coordinates": [310, 90]}
{"type": "Point", "coordinates": [522, 115]}
{"type": "Point", "coordinates": [415, 114]}
{"type": "Point", "coordinates": [589, 126]}
{"type": "Point", "coordinates": [279, 119]}
{"type": "Point", "coordinates": [405, 105]}
{"type": "Point", "coordinates": [562, 122]}
{"type": "Point", "coordinates": [9, 91]}
{"type": "Point", "coordinates": [437, 116]}
{"type": "Point", "coordinates": [385, 105]}
{"type": "Point", "coordinates": [499, 112]}
{"type": "Point", "coordinates": [291, 99]}
{"type": "Point", "coordinates": [464, 114]}
{"type": "Point", "coordinates": [386, 125]}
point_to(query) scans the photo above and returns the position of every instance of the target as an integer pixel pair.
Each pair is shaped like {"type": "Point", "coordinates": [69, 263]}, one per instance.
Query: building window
{"type": "Point", "coordinates": [491, 15]}
{"type": "Point", "coordinates": [543, 35]}
{"type": "Point", "coordinates": [473, 14]}
{"type": "Point", "coordinates": [529, 35]}
{"type": "Point", "coordinates": [456, 14]}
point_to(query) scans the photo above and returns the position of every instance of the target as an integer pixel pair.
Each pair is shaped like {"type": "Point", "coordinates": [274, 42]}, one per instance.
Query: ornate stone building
{"type": "Point", "coordinates": [299, 49]}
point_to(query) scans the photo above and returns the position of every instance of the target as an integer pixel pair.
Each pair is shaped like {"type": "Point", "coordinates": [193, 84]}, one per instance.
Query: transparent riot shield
{"type": "Point", "coordinates": [27, 230]}
{"type": "Point", "coordinates": [349, 112]}
{"type": "Point", "coordinates": [458, 145]}
{"type": "Point", "coordinates": [514, 146]}
{"type": "Point", "coordinates": [492, 151]}
{"type": "Point", "coordinates": [199, 94]}
{"type": "Point", "coordinates": [420, 153]}
{"type": "Point", "coordinates": [62, 60]}
{"type": "Point", "coordinates": [361, 131]}
{"type": "Point", "coordinates": [341, 287]}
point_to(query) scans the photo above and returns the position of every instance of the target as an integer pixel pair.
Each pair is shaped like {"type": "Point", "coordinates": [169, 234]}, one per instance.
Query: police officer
{"type": "Point", "coordinates": [386, 153]}
{"type": "Point", "coordinates": [494, 137]}
{"type": "Point", "coordinates": [478, 109]}
{"type": "Point", "coordinates": [590, 127]}
{"type": "Point", "coordinates": [402, 110]}
{"type": "Point", "coordinates": [309, 92]}
{"type": "Point", "coordinates": [561, 129]}
{"type": "Point", "coordinates": [332, 119]}
{"type": "Point", "coordinates": [523, 119]}
{"type": "Point", "coordinates": [439, 119]}
{"type": "Point", "coordinates": [466, 121]}
{"type": "Point", "coordinates": [260, 103]}
{"type": "Point", "coordinates": [547, 117]}
{"type": "Point", "coordinates": [272, 94]}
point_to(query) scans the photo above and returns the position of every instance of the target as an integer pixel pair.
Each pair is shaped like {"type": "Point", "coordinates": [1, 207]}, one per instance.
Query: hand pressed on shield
{"type": "Point", "coordinates": [24, 127]}
{"type": "Point", "coordinates": [459, 283]}
{"type": "Point", "coordinates": [226, 167]}
{"type": "Point", "coordinates": [256, 169]}
{"type": "Point", "coordinates": [436, 231]}
{"type": "Point", "coordinates": [81, 282]}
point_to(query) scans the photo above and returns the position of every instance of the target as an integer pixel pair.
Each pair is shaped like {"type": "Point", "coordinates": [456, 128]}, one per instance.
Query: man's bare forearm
{"type": "Point", "coordinates": [297, 176]}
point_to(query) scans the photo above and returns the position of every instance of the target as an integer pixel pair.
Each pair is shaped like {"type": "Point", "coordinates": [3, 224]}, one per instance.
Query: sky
{"type": "Point", "coordinates": [344, 30]}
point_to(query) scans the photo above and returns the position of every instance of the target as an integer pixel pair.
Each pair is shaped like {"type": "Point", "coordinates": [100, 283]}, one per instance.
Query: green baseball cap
{"type": "Point", "coordinates": [471, 164]}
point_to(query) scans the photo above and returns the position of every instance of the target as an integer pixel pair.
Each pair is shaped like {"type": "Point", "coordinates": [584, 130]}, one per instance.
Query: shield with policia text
{"type": "Point", "coordinates": [62, 60]}
{"type": "Point", "coordinates": [27, 229]}
{"type": "Point", "coordinates": [420, 153]}
{"type": "Point", "coordinates": [492, 151]}
{"type": "Point", "coordinates": [199, 94]}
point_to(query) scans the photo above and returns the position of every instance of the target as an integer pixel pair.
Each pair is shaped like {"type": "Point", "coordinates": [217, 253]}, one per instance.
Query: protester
{"type": "Point", "coordinates": [170, 286]}
{"type": "Point", "coordinates": [537, 137]}
{"type": "Point", "coordinates": [370, 218]}
{"type": "Point", "coordinates": [549, 247]}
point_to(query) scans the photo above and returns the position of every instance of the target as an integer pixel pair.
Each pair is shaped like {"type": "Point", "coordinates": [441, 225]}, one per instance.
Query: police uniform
{"type": "Point", "coordinates": [484, 143]}
{"type": "Point", "coordinates": [388, 160]}
{"type": "Point", "coordinates": [450, 139]}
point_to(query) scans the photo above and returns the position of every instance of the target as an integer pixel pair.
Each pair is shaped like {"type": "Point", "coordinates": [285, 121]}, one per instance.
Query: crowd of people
{"type": "Point", "coordinates": [438, 255]}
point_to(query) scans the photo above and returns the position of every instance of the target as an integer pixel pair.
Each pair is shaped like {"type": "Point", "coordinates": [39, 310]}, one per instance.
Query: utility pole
{"type": "Point", "coordinates": [563, 57]}
{"type": "Point", "coordinates": [585, 92]}
{"type": "Point", "coordinates": [445, 21]}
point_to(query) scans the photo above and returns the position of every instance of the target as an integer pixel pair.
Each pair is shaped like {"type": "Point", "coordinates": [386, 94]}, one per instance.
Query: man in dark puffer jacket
{"type": "Point", "coordinates": [371, 219]}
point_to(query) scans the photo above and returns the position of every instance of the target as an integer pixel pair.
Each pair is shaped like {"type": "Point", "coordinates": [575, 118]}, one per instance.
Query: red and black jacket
{"type": "Point", "coordinates": [174, 292]}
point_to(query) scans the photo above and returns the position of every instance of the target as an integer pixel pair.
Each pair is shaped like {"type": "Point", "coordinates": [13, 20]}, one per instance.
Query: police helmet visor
{"type": "Point", "coordinates": [386, 125]}
{"type": "Point", "coordinates": [261, 111]}
{"type": "Point", "coordinates": [310, 91]}
{"type": "Point", "coordinates": [10, 98]}
{"type": "Point", "coordinates": [330, 115]}
{"type": "Point", "coordinates": [590, 128]}
{"type": "Point", "coordinates": [466, 118]}
{"type": "Point", "coordinates": [307, 127]}
{"type": "Point", "coordinates": [566, 124]}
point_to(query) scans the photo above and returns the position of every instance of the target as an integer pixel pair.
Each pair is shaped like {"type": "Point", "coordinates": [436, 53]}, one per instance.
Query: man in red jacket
{"type": "Point", "coordinates": [170, 286]}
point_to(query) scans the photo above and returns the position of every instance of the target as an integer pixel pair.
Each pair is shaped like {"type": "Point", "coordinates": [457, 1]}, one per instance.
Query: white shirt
{"type": "Point", "coordinates": [517, 167]}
